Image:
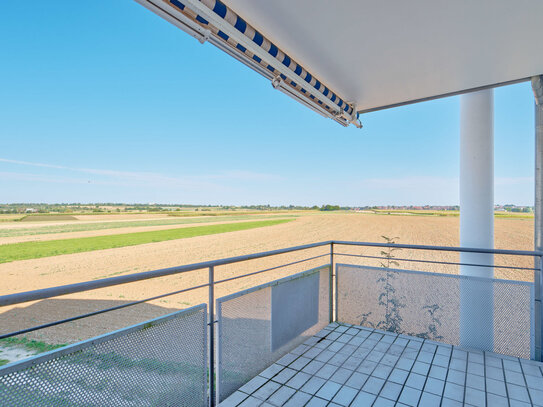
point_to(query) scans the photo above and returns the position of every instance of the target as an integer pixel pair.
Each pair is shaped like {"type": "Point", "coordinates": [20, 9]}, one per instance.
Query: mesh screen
{"type": "Point", "coordinates": [161, 362]}
{"type": "Point", "coordinates": [429, 305]}
{"type": "Point", "coordinates": [246, 321]}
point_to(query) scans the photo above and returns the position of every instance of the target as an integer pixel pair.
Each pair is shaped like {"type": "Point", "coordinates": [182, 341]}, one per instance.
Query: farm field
{"type": "Point", "coordinates": [34, 250]}
{"type": "Point", "coordinates": [32, 274]}
{"type": "Point", "coordinates": [85, 227]}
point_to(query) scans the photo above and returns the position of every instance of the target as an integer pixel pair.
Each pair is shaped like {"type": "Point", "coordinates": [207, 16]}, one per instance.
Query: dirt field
{"type": "Point", "coordinates": [46, 272]}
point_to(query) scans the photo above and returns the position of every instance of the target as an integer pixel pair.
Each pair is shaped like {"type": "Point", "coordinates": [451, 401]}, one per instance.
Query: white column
{"type": "Point", "coordinates": [537, 86]}
{"type": "Point", "coordinates": [477, 217]}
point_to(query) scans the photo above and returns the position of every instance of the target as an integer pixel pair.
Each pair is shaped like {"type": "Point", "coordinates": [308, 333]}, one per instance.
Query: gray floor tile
{"type": "Point", "coordinates": [284, 375]}
{"type": "Point", "coordinates": [252, 385]}
{"type": "Point", "coordinates": [324, 356]}
{"type": "Point", "coordinates": [299, 363]}
{"type": "Point", "coordinates": [415, 381]}
{"type": "Point", "coordinates": [311, 353]}
{"type": "Point", "coordinates": [456, 377]}
{"type": "Point", "coordinates": [475, 357]}
{"type": "Point", "coordinates": [441, 360]}
{"type": "Point", "coordinates": [363, 399]}
{"type": "Point", "coordinates": [429, 400]}
{"type": "Point", "coordinates": [434, 386]}
{"type": "Point", "coordinates": [313, 367]}
{"type": "Point", "coordinates": [348, 350]}
{"type": "Point", "coordinates": [410, 396]}
{"type": "Point", "coordinates": [495, 387]}
{"type": "Point", "coordinates": [421, 368]}
{"type": "Point", "coordinates": [323, 344]}
{"type": "Point", "coordinates": [287, 359]}
{"type": "Point", "coordinates": [382, 402]}
{"type": "Point", "coordinates": [298, 399]}
{"type": "Point", "coordinates": [366, 367]}
{"type": "Point", "coordinates": [514, 378]}
{"type": "Point", "coordinates": [405, 364]}
{"type": "Point", "coordinates": [341, 375]}
{"type": "Point", "coordinates": [316, 402]}
{"type": "Point", "coordinates": [519, 393]}
{"type": "Point", "coordinates": [536, 395]}
{"type": "Point", "coordinates": [458, 353]}
{"type": "Point", "coordinates": [391, 391]}
{"type": "Point", "coordinates": [298, 380]}
{"type": "Point", "coordinates": [513, 365]}
{"type": "Point", "coordinates": [476, 368]}
{"type": "Point", "coordinates": [496, 401]}
{"type": "Point", "coordinates": [352, 363]}
{"type": "Point", "coordinates": [382, 371]}
{"type": "Point", "coordinates": [454, 391]}
{"type": "Point", "coordinates": [425, 357]}
{"type": "Point", "coordinates": [345, 395]}
{"type": "Point", "coordinates": [357, 380]}
{"type": "Point", "coordinates": [234, 399]}
{"type": "Point", "coordinates": [271, 371]}
{"type": "Point", "coordinates": [300, 349]}
{"type": "Point", "coordinates": [398, 376]}
{"type": "Point", "coordinates": [373, 385]}
{"type": "Point", "coordinates": [266, 391]}
{"type": "Point", "coordinates": [281, 396]}
{"type": "Point", "coordinates": [534, 382]}
{"type": "Point", "coordinates": [328, 390]}
{"type": "Point", "coordinates": [390, 360]}
{"type": "Point", "coordinates": [493, 361]}
{"type": "Point", "coordinates": [326, 371]}
{"type": "Point", "coordinates": [458, 364]}
{"type": "Point", "coordinates": [313, 385]}
{"type": "Point", "coordinates": [532, 370]}
{"type": "Point", "coordinates": [474, 397]}
{"type": "Point", "coordinates": [450, 403]}
{"type": "Point", "coordinates": [516, 403]}
{"type": "Point", "coordinates": [251, 402]}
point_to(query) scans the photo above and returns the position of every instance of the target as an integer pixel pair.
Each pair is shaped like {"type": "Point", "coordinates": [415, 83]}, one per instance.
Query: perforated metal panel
{"type": "Point", "coordinates": [428, 305]}
{"type": "Point", "coordinates": [249, 321]}
{"type": "Point", "coordinates": [161, 362]}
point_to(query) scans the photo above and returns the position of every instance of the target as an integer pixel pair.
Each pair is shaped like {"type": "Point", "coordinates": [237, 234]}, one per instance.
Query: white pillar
{"type": "Point", "coordinates": [477, 217]}
{"type": "Point", "coordinates": [537, 86]}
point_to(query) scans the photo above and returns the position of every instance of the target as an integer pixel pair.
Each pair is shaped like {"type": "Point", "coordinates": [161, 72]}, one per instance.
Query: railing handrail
{"type": "Point", "coordinates": [44, 293]}
{"type": "Point", "coordinates": [443, 248]}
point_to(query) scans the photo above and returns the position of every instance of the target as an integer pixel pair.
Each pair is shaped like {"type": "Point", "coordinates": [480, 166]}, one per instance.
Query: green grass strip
{"type": "Point", "coordinates": [35, 250]}
{"type": "Point", "coordinates": [29, 344]}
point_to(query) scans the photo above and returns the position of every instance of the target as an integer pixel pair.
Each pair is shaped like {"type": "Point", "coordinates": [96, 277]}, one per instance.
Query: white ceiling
{"type": "Point", "coordinates": [378, 53]}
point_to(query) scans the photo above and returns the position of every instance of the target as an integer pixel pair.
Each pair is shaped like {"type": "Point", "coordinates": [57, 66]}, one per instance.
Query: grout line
{"type": "Point", "coordinates": [526, 383]}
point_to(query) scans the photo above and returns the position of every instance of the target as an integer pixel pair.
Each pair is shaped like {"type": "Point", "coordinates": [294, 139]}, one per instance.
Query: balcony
{"type": "Point", "coordinates": [348, 323]}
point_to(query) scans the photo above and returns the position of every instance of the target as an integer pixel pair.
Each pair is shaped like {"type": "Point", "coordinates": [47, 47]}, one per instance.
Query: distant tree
{"type": "Point", "coordinates": [330, 208]}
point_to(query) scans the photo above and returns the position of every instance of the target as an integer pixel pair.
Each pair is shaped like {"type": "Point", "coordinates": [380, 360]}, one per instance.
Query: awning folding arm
{"type": "Point", "coordinates": [213, 21]}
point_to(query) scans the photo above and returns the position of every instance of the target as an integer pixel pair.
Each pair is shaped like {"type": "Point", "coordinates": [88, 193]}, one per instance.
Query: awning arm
{"type": "Point", "coordinates": [213, 21]}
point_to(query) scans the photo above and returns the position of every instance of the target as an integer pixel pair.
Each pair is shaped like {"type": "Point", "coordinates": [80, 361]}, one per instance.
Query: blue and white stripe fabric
{"type": "Point", "coordinates": [305, 78]}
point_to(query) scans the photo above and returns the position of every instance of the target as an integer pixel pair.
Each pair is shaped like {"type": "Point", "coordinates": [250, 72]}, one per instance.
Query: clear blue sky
{"type": "Point", "coordinates": [102, 101]}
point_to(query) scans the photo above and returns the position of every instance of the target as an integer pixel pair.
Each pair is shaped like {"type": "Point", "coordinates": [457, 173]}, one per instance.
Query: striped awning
{"type": "Point", "coordinates": [213, 21]}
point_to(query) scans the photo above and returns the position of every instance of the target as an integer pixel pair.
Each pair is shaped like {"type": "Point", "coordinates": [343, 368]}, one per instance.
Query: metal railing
{"type": "Point", "coordinates": [333, 254]}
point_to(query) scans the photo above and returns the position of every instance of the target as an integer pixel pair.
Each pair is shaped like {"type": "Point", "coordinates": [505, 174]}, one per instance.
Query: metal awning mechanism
{"type": "Point", "coordinates": [213, 21]}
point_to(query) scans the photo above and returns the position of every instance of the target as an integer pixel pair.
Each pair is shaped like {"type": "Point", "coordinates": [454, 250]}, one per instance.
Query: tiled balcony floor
{"type": "Point", "coordinates": [346, 365]}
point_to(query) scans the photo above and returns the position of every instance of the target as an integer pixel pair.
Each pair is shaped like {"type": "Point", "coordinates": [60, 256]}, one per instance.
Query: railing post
{"type": "Point", "coordinates": [332, 296]}
{"type": "Point", "coordinates": [211, 336]}
{"type": "Point", "coordinates": [538, 311]}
